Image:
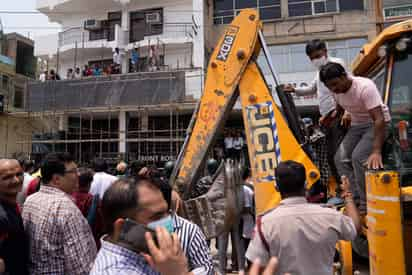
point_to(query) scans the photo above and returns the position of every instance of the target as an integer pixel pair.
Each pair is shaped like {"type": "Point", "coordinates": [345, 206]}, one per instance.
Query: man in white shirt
{"type": "Point", "coordinates": [101, 180]}
{"type": "Point", "coordinates": [318, 54]}
{"type": "Point", "coordinates": [117, 60]}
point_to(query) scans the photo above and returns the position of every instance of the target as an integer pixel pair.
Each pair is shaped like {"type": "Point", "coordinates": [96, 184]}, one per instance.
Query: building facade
{"type": "Point", "coordinates": [396, 10]}
{"type": "Point", "coordinates": [345, 25]}
{"type": "Point", "coordinates": [16, 66]}
{"type": "Point", "coordinates": [144, 112]}
{"type": "Point", "coordinates": [137, 110]}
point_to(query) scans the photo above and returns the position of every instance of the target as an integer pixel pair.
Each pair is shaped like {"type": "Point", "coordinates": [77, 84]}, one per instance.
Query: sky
{"type": "Point", "coordinates": [31, 25]}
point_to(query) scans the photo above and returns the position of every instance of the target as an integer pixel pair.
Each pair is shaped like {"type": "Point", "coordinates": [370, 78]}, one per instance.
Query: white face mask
{"type": "Point", "coordinates": [319, 62]}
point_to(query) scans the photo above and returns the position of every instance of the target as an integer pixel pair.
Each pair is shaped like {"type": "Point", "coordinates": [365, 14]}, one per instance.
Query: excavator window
{"type": "Point", "coordinates": [400, 101]}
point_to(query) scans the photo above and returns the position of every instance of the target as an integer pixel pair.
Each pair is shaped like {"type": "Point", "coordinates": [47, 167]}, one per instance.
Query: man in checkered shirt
{"type": "Point", "coordinates": [61, 241]}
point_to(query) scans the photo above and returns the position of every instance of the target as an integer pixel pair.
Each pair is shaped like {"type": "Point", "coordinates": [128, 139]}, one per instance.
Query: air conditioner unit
{"type": "Point", "coordinates": [153, 18]}
{"type": "Point", "coordinates": [92, 24]}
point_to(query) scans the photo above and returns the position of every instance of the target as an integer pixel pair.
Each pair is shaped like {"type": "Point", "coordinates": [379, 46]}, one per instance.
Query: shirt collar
{"type": "Point", "coordinates": [293, 201]}
{"type": "Point", "coordinates": [51, 190]}
{"type": "Point", "coordinates": [177, 222]}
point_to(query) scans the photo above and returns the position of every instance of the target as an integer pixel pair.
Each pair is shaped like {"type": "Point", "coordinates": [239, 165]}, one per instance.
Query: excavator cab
{"type": "Point", "coordinates": [388, 238]}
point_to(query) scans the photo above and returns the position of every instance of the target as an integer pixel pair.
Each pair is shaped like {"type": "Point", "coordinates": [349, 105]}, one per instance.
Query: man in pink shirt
{"type": "Point", "coordinates": [363, 143]}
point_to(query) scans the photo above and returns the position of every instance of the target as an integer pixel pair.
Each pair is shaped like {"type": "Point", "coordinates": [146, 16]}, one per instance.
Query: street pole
{"type": "Point", "coordinates": [379, 16]}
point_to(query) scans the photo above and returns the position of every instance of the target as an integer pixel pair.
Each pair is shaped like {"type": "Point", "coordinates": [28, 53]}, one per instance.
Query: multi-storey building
{"type": "Point", "coordinates": [16, 66]}
{"type": "Point", "coordinates": [144, 114]}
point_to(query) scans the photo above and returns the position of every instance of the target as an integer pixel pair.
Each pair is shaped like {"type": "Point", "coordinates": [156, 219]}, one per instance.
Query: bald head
{"type": "Point", "coordinates": [11, 179]}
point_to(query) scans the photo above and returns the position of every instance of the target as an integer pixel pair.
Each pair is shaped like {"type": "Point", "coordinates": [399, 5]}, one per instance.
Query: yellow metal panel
{"type": "Point", "coordinates": [384, 220]}
{"type": "Point", "coordinates": [345, 253]}
{"type": "Point", "coordinates": [226, 65]}
{"type": "Point", "coordinates": [267, 135]}
{"type": "Point", "coordinates": [369, 52]}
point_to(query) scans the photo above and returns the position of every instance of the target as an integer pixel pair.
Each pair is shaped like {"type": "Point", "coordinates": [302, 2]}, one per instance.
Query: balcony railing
{"type": "Point", "coordinates": [137, 89]}
{"type": "Point", "coordinates": [80, 36]}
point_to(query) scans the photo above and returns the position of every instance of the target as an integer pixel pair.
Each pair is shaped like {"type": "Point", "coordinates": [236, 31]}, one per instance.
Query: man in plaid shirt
{"type": "Point", "coordinates": [61, 241]}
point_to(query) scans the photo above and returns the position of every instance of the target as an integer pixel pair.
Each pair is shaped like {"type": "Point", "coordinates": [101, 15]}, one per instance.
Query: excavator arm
{"type": "Point", "coordinates": [232, 73]}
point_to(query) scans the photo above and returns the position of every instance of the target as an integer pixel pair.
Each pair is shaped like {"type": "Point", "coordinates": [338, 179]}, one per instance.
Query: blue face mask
{"type": "Point", "coordinates": [166, 222]}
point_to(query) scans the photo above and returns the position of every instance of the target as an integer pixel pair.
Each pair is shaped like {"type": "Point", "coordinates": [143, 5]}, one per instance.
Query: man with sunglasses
{"type": "Point", "coordinates": [302, 235]}
{"type": "Point", "coordinates": [61, 241]}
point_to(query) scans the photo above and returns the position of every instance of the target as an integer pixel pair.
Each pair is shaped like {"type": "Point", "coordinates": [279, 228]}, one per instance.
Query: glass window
{"type": "Point", "coordinates": [18, 97]}
{"type": "Point", "coordinates": [311, 7]}
{"type": "Point", "coordinates": [244, 4]}
{"type": "Point", "coordinates": [226, 10]}
{"type": "Point", "coordinates": [5, 83]}
{"type": "Point", "coordinates": [300, 8]}
{"type": "Point", "coordinates": [348, 5]}
{"type": "Point", "coordinates": [400, 100]}
{"type": "Point", "coordinates": [379, 80]}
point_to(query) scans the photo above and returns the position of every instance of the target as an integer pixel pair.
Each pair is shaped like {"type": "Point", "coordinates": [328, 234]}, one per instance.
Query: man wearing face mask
{"type": "Point", "coordinates": [146, 201]}
{"type": "Point", "coordinates": [318, 54]}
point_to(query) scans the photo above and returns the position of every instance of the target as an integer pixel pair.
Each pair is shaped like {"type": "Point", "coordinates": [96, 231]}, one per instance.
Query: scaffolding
{"type": "Point", "coordinates": [83, 117]}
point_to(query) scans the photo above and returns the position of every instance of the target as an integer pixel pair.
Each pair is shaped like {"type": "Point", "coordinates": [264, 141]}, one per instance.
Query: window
{"type": "Point", "coordinates": [397, 12]}
{"type": "Point", "coordinates": [107, 30]}
{"type": "Point", "coordinates": [18, 97]}
{"type": "Point", "coordinates": [348, 5]}
{"type": "Point", "coordinates": [145, 23]}
{"type": "Point", "coordinates": [5, 83]}
{"type": "Point", "coordinates": [311, 7]}
{"type": "Point", "coordinates": [292, 59]}
{"type": "Point", "coordinates": [379, 79]}
{"type": "Point", "coordinates": [226, 10]}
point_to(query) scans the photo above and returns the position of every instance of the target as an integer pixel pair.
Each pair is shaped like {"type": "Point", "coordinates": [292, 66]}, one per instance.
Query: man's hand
{"type": "Point", "coordinates": [2, 266]}
{"type": "Point", "coordinates": [289, 88]}
{"type": "Point", "coordinates": [168, 258]}
{"type": "Point", "coordinates": [375, 161]}
{"type": "Point", "coordinates": [346, 120]}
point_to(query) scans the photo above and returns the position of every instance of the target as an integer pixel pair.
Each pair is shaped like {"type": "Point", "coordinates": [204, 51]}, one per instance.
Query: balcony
{"type": "Point", "coordinates": [137, 89]}
{"type": "Point", "coordinates": [173, 33]}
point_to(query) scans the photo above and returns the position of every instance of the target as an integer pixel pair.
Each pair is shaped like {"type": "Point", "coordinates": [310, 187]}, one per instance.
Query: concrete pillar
{"type": "Point", "coordinates": [63, 123]}
{"type": "Point", "coordinates": [122, 132]}
{"type": "Point", "coordinates": [199, 38]}
{"type": "Point", "coordinates": [284, 8]}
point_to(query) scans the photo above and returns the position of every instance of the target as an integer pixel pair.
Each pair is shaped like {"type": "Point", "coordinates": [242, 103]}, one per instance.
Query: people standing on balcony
{"type": "Point", "coordinates": [70, 74]}
{"type": "Point", "coordinates": [135, 59]}
{"type": "Point", "coordinates": [87, 71]}
{"type": "Point", "coordinates": [96, 70]}
{"type": "Point", "coordinates": [77, 73]}
{"type": "Point", "coordinates": [117, 61]}
{"type": "Point", "coordinates": [44, 76]}
{"type": "Point", "coordinates": [53, 75]}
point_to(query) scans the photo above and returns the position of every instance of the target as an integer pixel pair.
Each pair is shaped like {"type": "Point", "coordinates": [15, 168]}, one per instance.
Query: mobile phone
{"type": "Point", "coordinates": [132, 236]}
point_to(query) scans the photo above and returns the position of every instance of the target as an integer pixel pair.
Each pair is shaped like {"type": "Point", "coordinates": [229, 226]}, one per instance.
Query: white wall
{"type": "Point", "coordinates": [45, 45]}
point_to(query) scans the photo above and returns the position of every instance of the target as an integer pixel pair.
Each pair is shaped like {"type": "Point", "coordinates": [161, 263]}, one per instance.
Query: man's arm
{"type": "Point", "coordinates": [302, 91]}
{"type": "Point", "coordinates": [199, 255]}
{"type": "Point", "coordinates": [375, 159]}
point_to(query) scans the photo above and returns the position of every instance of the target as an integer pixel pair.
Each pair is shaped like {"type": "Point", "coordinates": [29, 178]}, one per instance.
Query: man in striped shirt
{"type": "Point", "coordinates": [149, 206]}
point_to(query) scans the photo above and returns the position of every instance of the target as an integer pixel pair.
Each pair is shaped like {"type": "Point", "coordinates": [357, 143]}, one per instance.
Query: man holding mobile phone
{"type": "Point", "coordinates": [138, 206]}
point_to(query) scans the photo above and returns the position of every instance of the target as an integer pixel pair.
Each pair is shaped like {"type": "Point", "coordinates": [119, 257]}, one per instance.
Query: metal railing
{"type": "Point", "coordinates": [79, 35]}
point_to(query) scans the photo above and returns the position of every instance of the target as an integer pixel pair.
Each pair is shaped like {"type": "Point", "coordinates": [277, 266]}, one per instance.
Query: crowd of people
{"type": "Point", "coordinates": [102, 69]}
{"type": "Point", "coordinates": [62, 219]}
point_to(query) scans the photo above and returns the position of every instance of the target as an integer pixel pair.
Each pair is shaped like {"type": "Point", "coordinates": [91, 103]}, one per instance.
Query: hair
{"type": "Point", "coordinates": [245, 173]}
{"type": "Point", "coordinates": [122, 197]}
{"type": "Point", "coordinates": [135, 167]}
{"type": "Point", "coordinates": [156, 179]}
{"type": "Point", "coordinates": [100, 165]}
{"type": "Point", "coordinates": [118, 200]}
{"type": "Point", "coordinates": [85, 177]}
{"type": "Point", "coordinates": [54, 164]}
{"type": "Point", "coordinates": [315, 45]}
{"type": "Point", "coordinates": [290, 177]}
{"type": "Point", "coordinates": [331, 71]}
